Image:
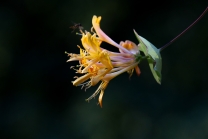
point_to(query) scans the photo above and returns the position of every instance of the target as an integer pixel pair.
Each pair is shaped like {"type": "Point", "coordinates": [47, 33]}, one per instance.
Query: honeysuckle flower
{"type": "Point", "coordinates": [100, 65]}
{"type": "Point", "coordinates": [97, 64]}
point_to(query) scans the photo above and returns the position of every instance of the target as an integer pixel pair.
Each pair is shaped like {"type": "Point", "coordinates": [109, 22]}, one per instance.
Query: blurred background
{"type": "Point", "coordinates": [38, 100]}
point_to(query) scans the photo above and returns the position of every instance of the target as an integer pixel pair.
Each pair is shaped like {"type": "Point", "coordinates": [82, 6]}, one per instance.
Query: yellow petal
{"type": "Point", "coordinates": [105, 60]}
{"type": "Point", "coordinates": [90, 43]}
{"type": "Point", "coordinates": [100, 98]}
{"type": "Point", "coordinates": [81, 79]}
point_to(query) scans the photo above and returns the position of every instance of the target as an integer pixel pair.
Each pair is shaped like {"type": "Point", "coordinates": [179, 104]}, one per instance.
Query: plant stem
{"type": "Point", "coordinates": [162, 48]}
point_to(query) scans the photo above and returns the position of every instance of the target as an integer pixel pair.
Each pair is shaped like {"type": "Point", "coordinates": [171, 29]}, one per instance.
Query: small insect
{"type": "Point", "coordinates": [76, 26]}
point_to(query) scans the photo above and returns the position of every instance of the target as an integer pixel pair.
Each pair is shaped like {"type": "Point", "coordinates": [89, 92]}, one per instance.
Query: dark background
{"type": "Point", "coordinates": [38, 100]}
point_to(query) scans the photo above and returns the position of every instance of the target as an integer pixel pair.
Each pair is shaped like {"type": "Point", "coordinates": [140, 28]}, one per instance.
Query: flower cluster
{"type": "Point", "coordinates": [97, 64]}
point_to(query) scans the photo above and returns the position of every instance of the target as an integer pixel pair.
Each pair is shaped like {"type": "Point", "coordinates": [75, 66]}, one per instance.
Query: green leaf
{"type": "Point", "coordinates": [154, 57]}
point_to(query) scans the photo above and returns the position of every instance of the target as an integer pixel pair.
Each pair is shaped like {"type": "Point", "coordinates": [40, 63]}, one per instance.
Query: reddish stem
{"type": "Point", "coordinates": [185, 30]}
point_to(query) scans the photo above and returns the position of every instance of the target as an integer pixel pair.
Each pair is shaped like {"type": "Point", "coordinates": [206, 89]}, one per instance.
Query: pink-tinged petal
{"type": "Point", "coordinates": [110, 76]}
{"type": "Point", "coordinates": [96, 25]}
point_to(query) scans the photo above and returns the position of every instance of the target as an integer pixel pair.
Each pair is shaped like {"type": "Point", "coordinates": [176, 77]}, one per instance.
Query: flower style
{"type": "Point", "coordinates": [98, 64]}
